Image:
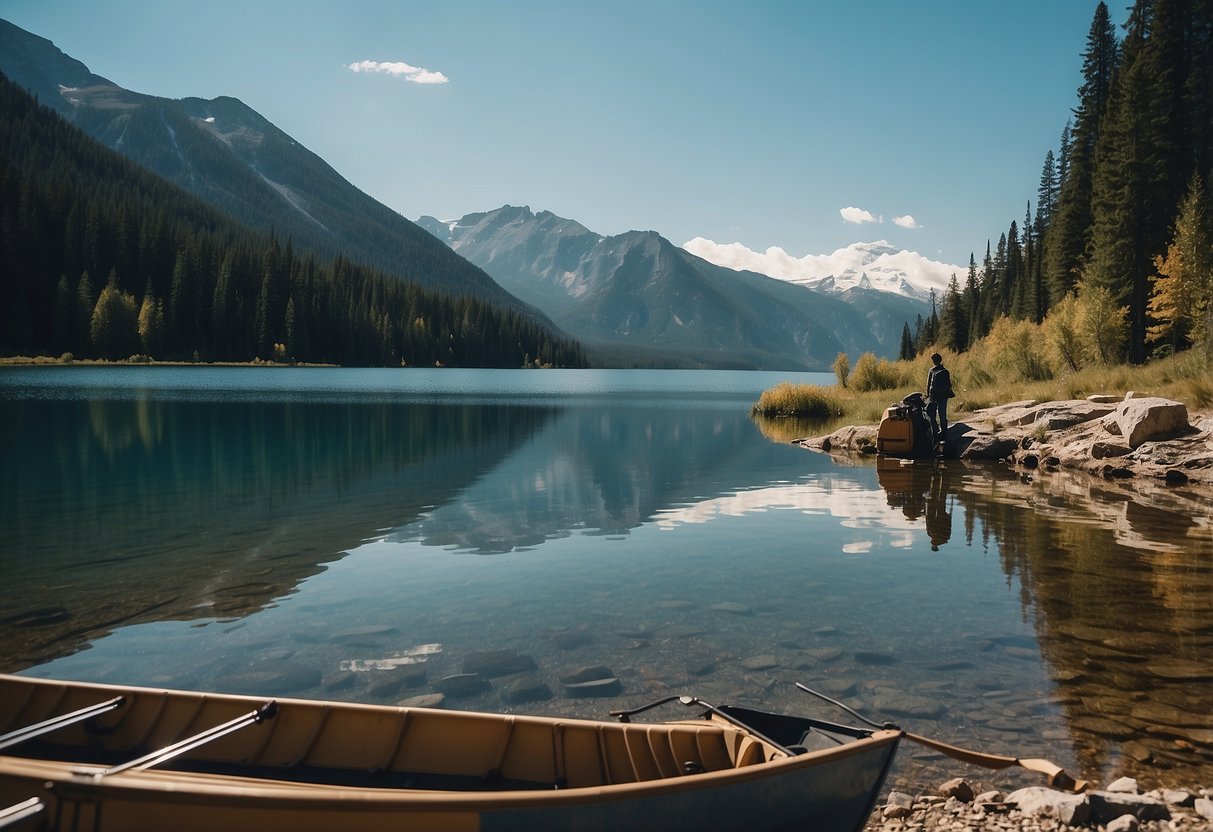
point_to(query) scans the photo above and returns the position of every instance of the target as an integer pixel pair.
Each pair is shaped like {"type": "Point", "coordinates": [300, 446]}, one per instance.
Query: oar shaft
{"type": "Point", "coordinates": [266, 711]}
{"type": "Point", "coordinates": [29, 732]}
{"type": "Point", "coordinates": [18, 812]}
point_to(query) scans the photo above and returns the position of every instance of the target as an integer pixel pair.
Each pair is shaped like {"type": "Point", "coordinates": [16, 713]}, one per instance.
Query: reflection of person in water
{"type": "Point", "coordinates": [939, 517]}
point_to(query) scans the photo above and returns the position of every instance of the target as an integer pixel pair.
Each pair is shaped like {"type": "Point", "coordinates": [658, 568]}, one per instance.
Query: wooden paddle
{"type": "Point", "coordinates": [1057, 776]}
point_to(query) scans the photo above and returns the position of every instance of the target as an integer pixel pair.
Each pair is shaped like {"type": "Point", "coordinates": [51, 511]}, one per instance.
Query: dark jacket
{"type": "Point", "coordinates": [939, 383]}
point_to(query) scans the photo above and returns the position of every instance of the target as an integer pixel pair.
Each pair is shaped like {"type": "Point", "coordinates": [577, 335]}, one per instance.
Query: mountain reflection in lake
{"type": "Point", "coordinates": [322, 540]}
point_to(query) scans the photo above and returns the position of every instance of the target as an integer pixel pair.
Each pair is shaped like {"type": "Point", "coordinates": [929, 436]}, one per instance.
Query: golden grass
{"type": "Point", "coordinates": [814, 410]}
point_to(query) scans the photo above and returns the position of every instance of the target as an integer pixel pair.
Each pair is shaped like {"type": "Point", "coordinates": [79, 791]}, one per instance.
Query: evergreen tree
{"type": "Point", "coordinates": [86, 301]}
{"type": "Point", "coordinates": [972, 300]}
{"type": "Point", "coordinates": [906, 352]}
{"type": "Point", "coordinates": [1063, 164]}
{"type": "Point", "coordinates": [1134, 191]}
{"type": "Point", "coordinates": [953, 327]}
{"type": "Point", "coordinates": [1070, 222]}
{"type": "Point", "coordinates": [1046, 192]}
{"type": "Point", "coordinates": [70, 207]}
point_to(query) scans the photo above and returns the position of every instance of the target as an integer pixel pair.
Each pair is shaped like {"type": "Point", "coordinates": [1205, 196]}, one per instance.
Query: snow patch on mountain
{"type": "Point", "coordinates": [876, 265]}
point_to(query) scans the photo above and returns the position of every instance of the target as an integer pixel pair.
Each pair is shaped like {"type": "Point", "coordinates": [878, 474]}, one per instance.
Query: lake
{"type": "Point", "coordinates": [367, 534]}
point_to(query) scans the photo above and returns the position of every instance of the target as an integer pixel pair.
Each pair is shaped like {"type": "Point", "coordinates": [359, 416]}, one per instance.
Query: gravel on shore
{"type": "Point", "coordinates": [958, 806]}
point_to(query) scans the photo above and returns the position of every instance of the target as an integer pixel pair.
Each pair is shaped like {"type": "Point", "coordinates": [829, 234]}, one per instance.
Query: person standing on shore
{"type": "Point", "coordinates": [939, 390]}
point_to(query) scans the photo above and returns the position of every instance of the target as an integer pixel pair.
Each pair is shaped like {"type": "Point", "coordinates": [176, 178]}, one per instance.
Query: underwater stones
{"type": "Point", "coordinates": [387, 683]}
{"type": "Point", "coordinates": [425, 700]}
{"type": "Point", "coordinates": [760, 663]}
{"type": "Point", "coordinates": [824, 654]}
{"type": "Point", "coordinates": [834, 687]}
{"type": "Point", "coordinates": [1103, 727]}
{"type": "Point", "coordinates": [594, 681]}
{"type": "Point", "coordinates": [950, 667]}
{"type": "Point", "coordinates": [1010, 726]}
{"type": "Point", "coordinates": [571, 641]}
{"type": "Point", "coordinates": [701, 667]}
{"type": "Point", "coordinates": [1157, 713]}
{"type": "Point", "coordinates": [462, 685]}
{"type": "Point", "coordinates": [870, 657]}
{"type": "Point", "coordinates": [593, 688]}
{"type": "Point", "coordinates": [733, 608]}
{"type": "Point", "coordinates": [271, 678]}
{"type": "Point", "coordinates": [1182, 671]}
{"type": "Point", "coordinates": [493, 663]}
{"type": "Point", "coordinates": [526, 689]}
{"type": "Point", "coordinates": [338, 680]}
{"type": "Point", "coordinates": [371, 636]}
{"type": "Point", "coordinates": [918, 707]}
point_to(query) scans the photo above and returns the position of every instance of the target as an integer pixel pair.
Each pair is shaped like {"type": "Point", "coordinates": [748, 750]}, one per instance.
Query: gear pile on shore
{"type": "Point", "coordinates": [1122, 807]}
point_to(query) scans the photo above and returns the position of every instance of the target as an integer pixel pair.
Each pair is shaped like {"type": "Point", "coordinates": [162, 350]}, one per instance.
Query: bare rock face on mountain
{"type": "Point", "coordinates": [640, 291]}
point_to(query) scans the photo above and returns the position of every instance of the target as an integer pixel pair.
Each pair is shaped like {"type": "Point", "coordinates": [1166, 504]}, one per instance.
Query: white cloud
{"type": "Point", "coordinates": [416, 74]}
{"type": "Point", "coordinates": [857, 215]}
{"type": "Point", "coordinates": [906, 222]}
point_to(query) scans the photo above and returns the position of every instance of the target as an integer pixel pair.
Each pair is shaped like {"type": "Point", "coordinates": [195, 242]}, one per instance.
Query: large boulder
{"type": "Point", "coordinates": [1148, 419]}
{"type": "Point", "coordinates": [985, 446]}
{"type": "Point", "coordinates": [1038, 801]}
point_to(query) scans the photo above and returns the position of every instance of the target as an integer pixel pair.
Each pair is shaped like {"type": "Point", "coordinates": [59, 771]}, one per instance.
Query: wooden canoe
{"type": "Point", "coordinates": [87, 752]}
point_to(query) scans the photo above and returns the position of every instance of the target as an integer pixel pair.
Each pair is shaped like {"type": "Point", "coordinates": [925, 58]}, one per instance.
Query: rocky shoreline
{"type": "Point", "coordinates": [1150, 440]}
{"type": "Point", "coordinates": [1121, 807]}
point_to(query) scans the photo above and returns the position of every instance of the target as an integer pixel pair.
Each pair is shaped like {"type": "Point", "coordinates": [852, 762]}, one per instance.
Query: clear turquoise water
{"type": "Point", "coordinates": [265, 530]}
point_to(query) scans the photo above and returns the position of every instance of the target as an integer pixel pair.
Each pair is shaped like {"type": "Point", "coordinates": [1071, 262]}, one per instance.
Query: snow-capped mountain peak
{"type": "Point", "coordinates": [873, 265]}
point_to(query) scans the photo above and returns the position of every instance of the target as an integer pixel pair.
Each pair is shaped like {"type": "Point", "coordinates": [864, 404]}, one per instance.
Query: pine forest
{"type": "Point", "coordinates": [101, 259]}
{"type": "Point", "coordinates": [1116, 263]}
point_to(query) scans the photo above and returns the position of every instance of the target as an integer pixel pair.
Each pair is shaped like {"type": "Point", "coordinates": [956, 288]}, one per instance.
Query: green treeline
{"type": "Point", "coordinates": [99, 258]}
{"type": "Point", "coordinates": [1120, 246]}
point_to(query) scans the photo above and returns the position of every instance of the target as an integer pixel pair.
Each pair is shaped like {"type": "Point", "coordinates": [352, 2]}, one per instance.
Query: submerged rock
{"type": "Point", "coordinates": [597, 680]}
{"type": "Point", "coordinates": [462, 685]}
{"type": "Point", "coordinates": [493, 663]}
{"type": "Point", "coordinates": [271, 678]}
{"type": "Point", "coordinates": [526, 689]}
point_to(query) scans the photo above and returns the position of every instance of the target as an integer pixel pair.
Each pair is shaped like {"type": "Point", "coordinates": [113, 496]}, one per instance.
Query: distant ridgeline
{"type": "Point", "coordinates": [101, 258]}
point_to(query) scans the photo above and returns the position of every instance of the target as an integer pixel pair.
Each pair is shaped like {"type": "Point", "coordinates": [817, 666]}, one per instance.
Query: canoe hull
{"type": "Point", "coordinates": [837, 795]}
{"type": "Point", "coordinates": [825, 790]}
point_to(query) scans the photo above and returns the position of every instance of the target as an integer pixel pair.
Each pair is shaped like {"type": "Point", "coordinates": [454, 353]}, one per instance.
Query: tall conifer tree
{"type": "Point", "coordinates": [1071, 221]}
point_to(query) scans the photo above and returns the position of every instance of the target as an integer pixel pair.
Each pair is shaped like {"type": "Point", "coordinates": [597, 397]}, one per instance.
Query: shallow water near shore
{"type": "Point", "coordinates": [365, 534]}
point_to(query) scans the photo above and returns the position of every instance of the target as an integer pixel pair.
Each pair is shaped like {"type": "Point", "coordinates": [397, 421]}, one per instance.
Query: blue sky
{"type": "Point", "coordinates": [756, 122]}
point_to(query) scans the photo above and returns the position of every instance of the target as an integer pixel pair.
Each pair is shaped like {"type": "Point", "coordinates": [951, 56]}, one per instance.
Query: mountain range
{"type": "Point", "coordinates": [638, 289]}
{"type": "Point", "coordinates": [230, 156]}
{"type": "Point", "coordinates": [637, 298]}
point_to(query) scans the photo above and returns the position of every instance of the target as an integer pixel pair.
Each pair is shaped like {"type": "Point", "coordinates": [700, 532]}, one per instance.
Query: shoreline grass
{"type": "Point", "coordinates": [800, 410]}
